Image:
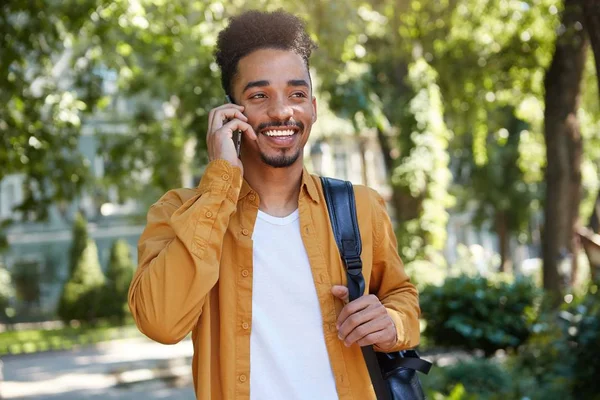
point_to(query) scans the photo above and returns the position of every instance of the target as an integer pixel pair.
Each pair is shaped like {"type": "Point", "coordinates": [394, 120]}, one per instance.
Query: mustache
{"type": "Point", "coordinates": [280, 124]}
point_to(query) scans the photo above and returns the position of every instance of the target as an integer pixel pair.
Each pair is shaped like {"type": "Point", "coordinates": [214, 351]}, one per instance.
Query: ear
{"type": "Point", "coordinates": [314, 105]}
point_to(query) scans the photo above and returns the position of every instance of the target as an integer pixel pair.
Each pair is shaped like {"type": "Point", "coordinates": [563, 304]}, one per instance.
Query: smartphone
{"type": "Point", "coordinates": [237, 135]}
{"type": "Point", "coordinates": [237, 141]}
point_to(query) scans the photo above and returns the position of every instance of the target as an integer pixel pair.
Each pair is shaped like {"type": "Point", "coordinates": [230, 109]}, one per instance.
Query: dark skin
{"type": "Point", "coordinates": [273, 87]}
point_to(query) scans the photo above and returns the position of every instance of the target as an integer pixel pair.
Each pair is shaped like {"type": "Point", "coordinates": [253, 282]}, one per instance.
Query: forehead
{"type": "Point", "coordinates": [272, 65]}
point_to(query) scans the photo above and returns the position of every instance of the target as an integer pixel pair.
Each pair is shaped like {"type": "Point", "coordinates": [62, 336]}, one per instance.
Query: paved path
{"type": "Point", "coordinates": [89, 373]}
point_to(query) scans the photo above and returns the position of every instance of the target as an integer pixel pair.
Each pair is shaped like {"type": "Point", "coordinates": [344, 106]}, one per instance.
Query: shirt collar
{"type": "Point", "coordinates": [308, 184]}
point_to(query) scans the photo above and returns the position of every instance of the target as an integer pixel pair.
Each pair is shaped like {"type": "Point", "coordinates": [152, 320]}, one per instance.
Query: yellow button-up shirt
{"type": "Point", "coordinates": [195, 274]}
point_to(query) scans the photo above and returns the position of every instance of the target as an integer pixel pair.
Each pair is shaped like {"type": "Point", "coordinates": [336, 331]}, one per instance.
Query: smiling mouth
{"type": "Point", "coordinates": [279, 133]}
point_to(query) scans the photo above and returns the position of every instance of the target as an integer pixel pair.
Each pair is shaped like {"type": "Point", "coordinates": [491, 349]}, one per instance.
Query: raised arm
{"type": "Point", "coordinates": [179, 254]}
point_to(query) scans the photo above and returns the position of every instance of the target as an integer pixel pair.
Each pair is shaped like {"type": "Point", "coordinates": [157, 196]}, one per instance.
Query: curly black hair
{"type": "Point", "coordinates": [255, 30]}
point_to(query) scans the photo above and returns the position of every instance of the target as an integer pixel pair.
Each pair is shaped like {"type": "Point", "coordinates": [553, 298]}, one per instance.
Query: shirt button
{"type": "Point", "coordinates": [225, 177]}
{"type": "Point", "coordinates": [245, 273]}
{"type": "Point", "coordinates": [245, 232]}
{"type": "Point", "coordinates": [208, 214]}
{"type": "Point", "coordinates": [242, 378]}
{"type": "Point", "coordinates": [252, 197]}
{"type": "Point", "coordinates": [245, 325]}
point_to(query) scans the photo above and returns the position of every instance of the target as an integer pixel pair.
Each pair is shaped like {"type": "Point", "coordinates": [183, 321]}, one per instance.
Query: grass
{"type": "Point", "coordinates": [66, 338]}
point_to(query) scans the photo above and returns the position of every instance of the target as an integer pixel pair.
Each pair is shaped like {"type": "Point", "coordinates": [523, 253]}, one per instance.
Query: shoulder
{"type": "Point", "coordinates": [368, 197]}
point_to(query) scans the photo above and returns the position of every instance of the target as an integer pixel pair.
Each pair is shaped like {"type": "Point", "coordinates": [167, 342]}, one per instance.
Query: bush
{"type": "Point", "coordinates": [79, 242]}
{"type": "Point", "coordinates": [475, 313]}
{"type": "Point", "coordinates": [560, 361]}
{"type": "Point", "coordinates": [81, 298]}
{"type": "Point", "coordinates": [479, 379]}
{"type": "Point", "coordinates": [118, 277]}
{"type": "Point", "coordinates": [26, 280]}
{"type": "Point", "coordinates": [586, 336]}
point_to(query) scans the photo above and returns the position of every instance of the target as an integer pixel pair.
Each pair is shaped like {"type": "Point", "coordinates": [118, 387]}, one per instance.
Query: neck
{"type": "Point", "coordinates": [277, 188]}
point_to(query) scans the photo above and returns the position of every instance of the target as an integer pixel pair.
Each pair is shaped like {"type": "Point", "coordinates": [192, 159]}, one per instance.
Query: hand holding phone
{"type": "Point", "coordinates": [226, 124]}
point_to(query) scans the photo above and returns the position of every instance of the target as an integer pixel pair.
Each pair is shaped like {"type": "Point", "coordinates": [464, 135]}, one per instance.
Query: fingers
{"type": "Point", "coordinates": [377, 338]}
{"type": "Point", "coordinates": [341, 292]}
{"type": "Point", "coordinates": [235, 125]}
{"type": "Point", "coordinates": [376, 331]}
{"type": "Point", "coordinates": [223, 121]}
{"type": "Point", "coordinates": [365, 321]}
{"type": "Point", "coordinates": [355, 306]}
{"type": "Point", "coordinates": [217, 117]}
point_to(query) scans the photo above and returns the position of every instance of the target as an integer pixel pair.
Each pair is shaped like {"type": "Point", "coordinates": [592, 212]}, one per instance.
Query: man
{"type": "Point", "coordinates": [247, 261]}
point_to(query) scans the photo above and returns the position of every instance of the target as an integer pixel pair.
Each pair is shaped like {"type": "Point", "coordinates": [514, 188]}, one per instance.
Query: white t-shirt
{"type": "Point", "coordinates": [288, 356]}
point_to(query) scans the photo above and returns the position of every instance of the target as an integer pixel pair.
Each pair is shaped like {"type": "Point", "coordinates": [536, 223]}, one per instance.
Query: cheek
{"type": "Point", "coordinates": [254, 116]}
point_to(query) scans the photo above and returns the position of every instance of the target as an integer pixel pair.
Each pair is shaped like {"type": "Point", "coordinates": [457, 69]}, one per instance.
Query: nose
{"type": "Point", "coordinates": [280, 110]}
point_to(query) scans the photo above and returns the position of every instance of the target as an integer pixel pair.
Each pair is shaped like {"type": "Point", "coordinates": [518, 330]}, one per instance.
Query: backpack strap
{"type": "Point", "coordinates": [339, 196]}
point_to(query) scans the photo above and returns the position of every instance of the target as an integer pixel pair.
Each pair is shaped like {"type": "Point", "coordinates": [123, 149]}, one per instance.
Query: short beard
{"type": "Point", "coordinates": [281, 160]}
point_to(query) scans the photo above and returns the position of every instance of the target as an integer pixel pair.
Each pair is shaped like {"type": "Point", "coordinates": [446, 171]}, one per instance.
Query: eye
{"type": "Point", "coordinates": [299, 94]}
{"type": "Point", "coordinates": [258, 96]}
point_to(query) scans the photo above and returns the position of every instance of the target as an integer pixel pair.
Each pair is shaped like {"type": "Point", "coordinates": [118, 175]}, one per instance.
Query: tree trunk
{"type": "Point", "coordinates": [386, 151]}
{"type": "Point", "coordinates": [592, 26]}
{"type": "Point", "coordinates": [563, 144]}
{"type": "Point", "coordinates": [503, 241]}
{"type": "Point", "coordinates": [594, 222]}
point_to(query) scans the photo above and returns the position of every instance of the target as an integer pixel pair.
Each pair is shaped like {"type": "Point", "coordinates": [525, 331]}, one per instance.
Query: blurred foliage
{"type": "Point", "coordinates": [378, 84]}
{"type": "Point", "coordinates": [422, 172]}
{"type": "Point", "coordinates": [118, 277]}
{"type": "Point", "coordinates": [557, 362]}
{"type": "Point", "coordinates": [166, 82]}
{"type": "Point", "coordinates": [502, 196]}
{"type": "Point", "coordinates": [585, 318]}
{"type": "Point", "coordinates": [26, 280]}
{"type": "Point", "coordinates": [66, 338]}
{"type": "Point", "coordinates": [41, 118]}
{"type": "Point", "coordinates": [477, 313]}
{"type": "Point", "coordinates": [560, 360]}
{"type": "Point", "coordinates": [474, 379]}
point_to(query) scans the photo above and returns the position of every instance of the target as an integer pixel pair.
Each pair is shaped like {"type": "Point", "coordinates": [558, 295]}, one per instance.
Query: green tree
{"type": "Point", "coordinates": [490, 65]}
{"type": "Point", "coordinates": [499, 192]}
{"type": "Point", "coordinates": [118, 277]}
{"type": "Point", "coordinates": [79, 240]}
{"type": "Point", "coordinates": [26, 279]}
{"type": "Point", "coordinates": [378, 83]}
{"type": "Point", "coordinates": [81, 295]}
{"type": "Point", "coordinates": [161, 55]}
{"type": "Point", "coordinates": [487, 56]}
{"type": "Point", "coordinates": [41, 119]}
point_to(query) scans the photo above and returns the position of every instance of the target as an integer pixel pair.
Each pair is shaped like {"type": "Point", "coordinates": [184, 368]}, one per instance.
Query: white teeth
{"type": "Point", "coordinates": [279, 133]}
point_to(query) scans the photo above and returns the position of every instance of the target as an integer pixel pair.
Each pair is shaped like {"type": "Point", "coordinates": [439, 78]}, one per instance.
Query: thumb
{"type": "Point", "coordinates": [341, 292]}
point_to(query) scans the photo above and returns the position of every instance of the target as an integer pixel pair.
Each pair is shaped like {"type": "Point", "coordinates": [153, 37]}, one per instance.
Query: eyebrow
{"type": "Point", "coordinates": [263, 83]}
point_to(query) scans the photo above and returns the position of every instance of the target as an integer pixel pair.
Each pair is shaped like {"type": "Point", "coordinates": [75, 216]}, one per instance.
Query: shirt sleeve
{"type": "Point", "coordinates": [179, 254]}
{"type": "Point", "coordinates": [390, 282]}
